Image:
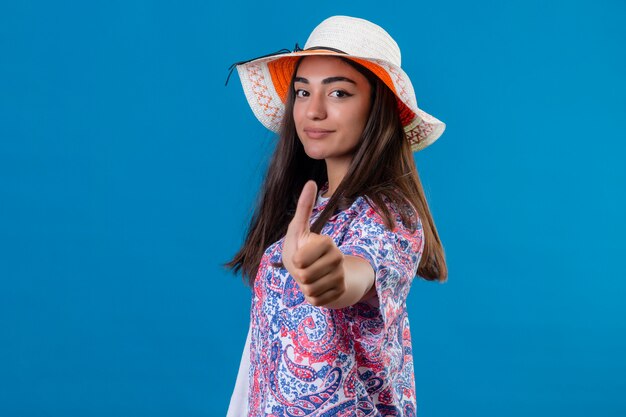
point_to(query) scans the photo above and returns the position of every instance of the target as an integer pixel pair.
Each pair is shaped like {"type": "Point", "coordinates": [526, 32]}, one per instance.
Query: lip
{"type": "Point", "coordinates": [315, 133]}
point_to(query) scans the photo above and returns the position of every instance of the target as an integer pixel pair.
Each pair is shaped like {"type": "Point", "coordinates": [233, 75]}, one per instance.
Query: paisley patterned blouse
{"type": "Point", "coordinates": [355, 361]}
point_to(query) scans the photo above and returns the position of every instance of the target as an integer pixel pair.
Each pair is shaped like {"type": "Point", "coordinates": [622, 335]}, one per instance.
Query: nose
{"type": "Point", "coordinates": [316, 108]}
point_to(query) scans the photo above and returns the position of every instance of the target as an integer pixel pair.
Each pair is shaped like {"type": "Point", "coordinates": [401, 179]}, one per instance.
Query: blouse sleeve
{"type": "Point", "coordinates": [393, 254]}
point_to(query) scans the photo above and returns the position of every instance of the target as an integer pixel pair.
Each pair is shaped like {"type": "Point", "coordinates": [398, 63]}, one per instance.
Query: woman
{"type": "Point", "coordinates": [330, 271]}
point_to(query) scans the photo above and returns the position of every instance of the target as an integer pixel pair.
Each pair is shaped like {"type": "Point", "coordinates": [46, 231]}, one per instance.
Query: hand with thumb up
{"type": "Point", "coordinates": [316, 263]}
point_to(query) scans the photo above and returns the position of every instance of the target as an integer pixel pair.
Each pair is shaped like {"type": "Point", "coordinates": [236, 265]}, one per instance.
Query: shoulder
{"type": "Point", "coordinates": [369, 235]}
{"type": "Point", "coordinates": [396, 224]}
{"type": "Point", "coordinates": [403, 215]}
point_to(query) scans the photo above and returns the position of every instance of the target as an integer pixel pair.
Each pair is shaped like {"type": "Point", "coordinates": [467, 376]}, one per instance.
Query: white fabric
{"type": "Point", "coordinates": [239, 400]}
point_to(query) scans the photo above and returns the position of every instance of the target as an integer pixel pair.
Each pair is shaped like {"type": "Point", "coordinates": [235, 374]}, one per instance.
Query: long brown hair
{"type": "Point", "coordinates": [383, 167]}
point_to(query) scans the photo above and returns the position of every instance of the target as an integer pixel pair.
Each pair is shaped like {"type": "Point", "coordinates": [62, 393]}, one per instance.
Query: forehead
{"type": "Point", "coordinates": [312, 67]}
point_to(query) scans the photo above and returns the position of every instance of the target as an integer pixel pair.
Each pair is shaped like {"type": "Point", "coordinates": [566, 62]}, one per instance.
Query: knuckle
{"type": "Point", "coordinates": [296, 259]}
{"type": "Point", "coordinates": [307, 291]}
{"type": "Point", "coordinates": [305, 276]}
{"type": "Point", "coordinates": [337, 258]}
{"type": "Point", "coordinates": [316, 301]}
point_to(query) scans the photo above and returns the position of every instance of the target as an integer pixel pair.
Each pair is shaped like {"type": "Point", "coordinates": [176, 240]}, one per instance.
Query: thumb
{"type": "Point", "coordinates": [300, 222]}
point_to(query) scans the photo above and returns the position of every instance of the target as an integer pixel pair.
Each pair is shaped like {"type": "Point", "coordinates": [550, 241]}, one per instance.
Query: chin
{"type": "Point", "coordinates": [315, 156]}
{"type": "Point", "coordinates": [315, 153]}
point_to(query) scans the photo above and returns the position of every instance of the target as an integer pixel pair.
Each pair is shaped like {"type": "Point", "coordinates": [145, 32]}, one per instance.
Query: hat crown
{"type": "Point", "coordinates": [356, 37]}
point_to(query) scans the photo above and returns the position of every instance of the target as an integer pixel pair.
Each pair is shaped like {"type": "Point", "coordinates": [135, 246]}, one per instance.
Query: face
{"type": "Point", "coordinates": [331, 107]}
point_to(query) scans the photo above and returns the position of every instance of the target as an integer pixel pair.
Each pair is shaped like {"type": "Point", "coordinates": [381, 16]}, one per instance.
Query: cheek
{"type": "Point", "coordinates": [297, 115]}
{"type": "Point", "coordinates": [359, 118]}
{"type": "Point", "coordinates": [359, 122]}
{"type": "Point", "coordinates": [365, 112]}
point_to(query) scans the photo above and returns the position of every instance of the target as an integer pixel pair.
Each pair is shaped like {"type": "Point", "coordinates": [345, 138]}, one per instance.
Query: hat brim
{"type": "Point", "coordinates": [266, 83]}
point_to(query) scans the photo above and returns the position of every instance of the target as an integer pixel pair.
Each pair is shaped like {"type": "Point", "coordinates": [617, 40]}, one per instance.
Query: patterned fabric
{"type": "Point", "coordinates": [355, 361]}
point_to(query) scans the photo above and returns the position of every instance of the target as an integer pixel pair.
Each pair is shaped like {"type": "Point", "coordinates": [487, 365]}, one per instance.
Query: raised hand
{"type": "Point", "coordinates": [313, 260]}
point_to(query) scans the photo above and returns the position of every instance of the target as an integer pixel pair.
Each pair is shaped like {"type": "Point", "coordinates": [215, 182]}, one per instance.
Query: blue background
{"type": "Point", "coordinates": [128, 172]}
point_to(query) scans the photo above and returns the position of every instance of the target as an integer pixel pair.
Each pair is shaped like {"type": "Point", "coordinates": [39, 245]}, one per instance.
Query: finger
{"type": "Point", "coordinates": [326, 298]}
{"type": "Point", "coordinates": [300, 222]}
{"type": "Point", "coordinates": [329, 261]}
{"type": "Point", "coordinates": [316, 247]}
{"type": "Point", "coordinates": [322, 285]}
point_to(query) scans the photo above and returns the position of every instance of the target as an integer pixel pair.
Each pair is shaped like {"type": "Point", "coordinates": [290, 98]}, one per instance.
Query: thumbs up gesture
{"type": "Point", "coordinates": [313, 260]}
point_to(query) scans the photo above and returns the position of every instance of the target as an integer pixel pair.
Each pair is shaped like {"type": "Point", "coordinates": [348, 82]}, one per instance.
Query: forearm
{"type": "Point", "coordinates": [359, 281]}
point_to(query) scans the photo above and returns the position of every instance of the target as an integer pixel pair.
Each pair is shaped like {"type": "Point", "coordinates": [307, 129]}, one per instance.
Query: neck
{"type": "Point", "coordinates": [336, 169]}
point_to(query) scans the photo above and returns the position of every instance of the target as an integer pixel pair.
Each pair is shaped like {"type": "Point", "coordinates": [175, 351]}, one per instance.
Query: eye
{"type": "Point", "coordinates": [301, 93]}
{"type": "Point", "coordinates": [340, 94]}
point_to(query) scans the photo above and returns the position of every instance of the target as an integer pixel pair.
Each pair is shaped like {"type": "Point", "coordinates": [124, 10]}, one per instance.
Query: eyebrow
{"type": "Point", "coordinates": [325, 80]}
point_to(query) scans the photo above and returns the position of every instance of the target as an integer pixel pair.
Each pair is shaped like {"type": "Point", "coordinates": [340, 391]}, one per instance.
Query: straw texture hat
{"type": "Point", "coordinates": [266, 79]}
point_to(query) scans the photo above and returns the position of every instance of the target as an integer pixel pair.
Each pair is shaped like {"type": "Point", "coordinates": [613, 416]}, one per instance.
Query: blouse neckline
{"type": "Point", "coordinates": [322, 200]}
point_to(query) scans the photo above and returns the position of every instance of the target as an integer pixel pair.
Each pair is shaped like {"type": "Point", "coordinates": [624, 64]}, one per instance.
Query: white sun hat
{"type": "Point", "coordinates": [266, 80]}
